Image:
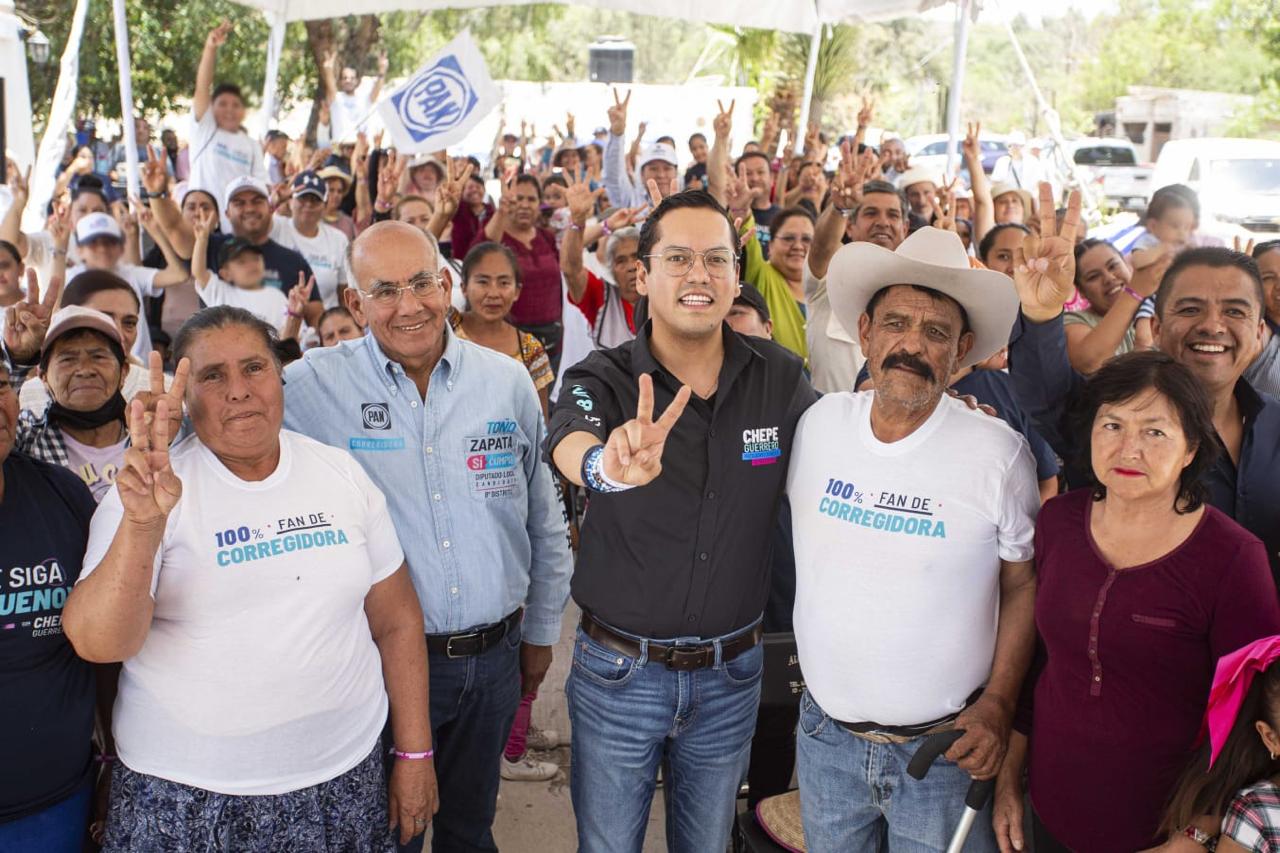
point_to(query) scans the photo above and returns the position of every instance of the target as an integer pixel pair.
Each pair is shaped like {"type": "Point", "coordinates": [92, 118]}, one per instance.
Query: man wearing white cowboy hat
{"type": "Point", "coordinates": [920, 183]}
{"type": "Point", "coordinates": [913, 518]}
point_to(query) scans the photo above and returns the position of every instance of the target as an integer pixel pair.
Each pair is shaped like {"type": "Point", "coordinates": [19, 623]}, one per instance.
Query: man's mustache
{"type": "Point", "coordinates": [910, 362]}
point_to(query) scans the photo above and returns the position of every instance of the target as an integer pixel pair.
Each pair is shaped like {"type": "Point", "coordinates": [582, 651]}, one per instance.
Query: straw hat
{"type": "Point", "coordinates": [779, 817]}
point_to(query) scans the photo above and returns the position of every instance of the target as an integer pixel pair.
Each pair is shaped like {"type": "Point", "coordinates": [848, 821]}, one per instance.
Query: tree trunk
{"type": "Point", "coordinates": [320, 39]}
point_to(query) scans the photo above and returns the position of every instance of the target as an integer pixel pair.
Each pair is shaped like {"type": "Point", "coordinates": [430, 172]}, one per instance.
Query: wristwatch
{"type": "Point", "coordinates": [1199, 836]}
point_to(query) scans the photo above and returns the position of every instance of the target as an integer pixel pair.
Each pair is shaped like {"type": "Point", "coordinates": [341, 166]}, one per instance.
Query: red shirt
{"type": "Point", "coordinates": [468, 230]}
{"type": "Point", "coordinates": [593, 300]}
{"type": "Point", "coordinates": [1124, 668]}
{"type": "Point", "coordinates": [540, 298]}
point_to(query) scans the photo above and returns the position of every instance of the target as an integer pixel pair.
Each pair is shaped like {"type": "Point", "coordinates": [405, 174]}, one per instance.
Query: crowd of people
{"type": "Point", "coordinates": [994, 474]}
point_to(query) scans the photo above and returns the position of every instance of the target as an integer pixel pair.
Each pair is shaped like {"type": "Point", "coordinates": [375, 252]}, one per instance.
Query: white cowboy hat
{"type": "Point", "coordinates": [930, 258]}
{"type": "Point", "coordinates": [919, 175]}
{"type": "Point", "coordinates": [1028, 200]}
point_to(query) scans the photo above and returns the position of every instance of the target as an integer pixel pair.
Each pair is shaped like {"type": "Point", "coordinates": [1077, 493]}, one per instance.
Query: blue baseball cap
{"type": "Point", "coordinates": [309, 183]}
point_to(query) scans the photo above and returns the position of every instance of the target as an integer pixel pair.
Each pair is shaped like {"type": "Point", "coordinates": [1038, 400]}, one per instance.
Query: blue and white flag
{"type": "Point", "coordinates": [443, 100]}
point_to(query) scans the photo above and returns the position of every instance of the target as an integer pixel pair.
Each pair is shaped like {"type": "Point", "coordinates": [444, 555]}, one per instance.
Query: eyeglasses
{"type": "Point", "coordinates": [678, 261]}
{"type": "Point", "coordinates": [386, 294]}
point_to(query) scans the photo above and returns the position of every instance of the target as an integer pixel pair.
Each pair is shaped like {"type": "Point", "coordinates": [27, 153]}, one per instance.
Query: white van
{"type": "Point", "coordinates": [1237, 180]}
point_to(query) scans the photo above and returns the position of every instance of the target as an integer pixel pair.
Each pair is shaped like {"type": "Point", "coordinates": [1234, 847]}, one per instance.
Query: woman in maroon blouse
{"type": "Point", "coordinates": [514, 225]}
{"type": "Point", "coordinates": [1142, 587]}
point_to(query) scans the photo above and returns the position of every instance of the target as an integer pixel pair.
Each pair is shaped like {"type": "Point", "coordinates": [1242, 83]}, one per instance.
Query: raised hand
{"type": "Point", "coordinates": [318, 158]}
{"type": "Point", "coordinates": [202, 224]}
{"type": "Point", "coordinates": [218, 35]}
{"type": "Point", "coordinates": [969, 147]}
{"type": "Point", "coordinates": [19, 186]}
{"type": "Point", "coordinates": [149, 490]}
{"type": "Point", "coordinates": [27, 321]}
{"type": "Point", "coordinates": [507, 201]}
{"type": "Point", "coordinates": [943, 203]}
{"type": "Point", "coordinates": [383, 64]}
{"type": "Point", "coordinates": [655, 195]}
{"type": "Point", "coordinates": [737, 192]}
{"type": "Point", "coordinates": [83, 163]}
{"type": "Point", "coordinates": [300, 294]}
{"type": "Point", "coordinates": [1044, 265]}
{"type": "Point", "coordinates": [723, 122]}
{"type": "Point", "coordinates": [59, 226]}
{"type": "Point", "coordinates": [867, 113]}
{"type": "Point", "coordinates": [618, 114]}
{"type": "Point", "coordinates": [389, 174]}
{"type": "Point", "coordinates": [581, 199]}
{"type": "Point", "coordinates": [1243, 246]}
{"type": "Point", "coordinates": [154, 178]}
{"type": "Point", "coordinates": [813, 138]}
{"type": "Point", "coordinates": [360, 156]}
{"type": "Point", "coordinates": [846, 186]}
{"type": "Point", "coordinates": [633, 453]}
{"type": "Point", "coordinates": [622, 217]}
{"type": "Point", "coordinates": [569, 125]}
{"type": "Point", "coordinates": [155, 393]}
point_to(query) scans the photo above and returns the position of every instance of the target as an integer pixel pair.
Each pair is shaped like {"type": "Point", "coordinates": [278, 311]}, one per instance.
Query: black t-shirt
{"type": "Point", "coordinates": [283, 264]}
{"type": "Point", "coordinates": [696, 176]}
{"type": "Point", "coordinates": [764, 221]}
{"type": "Point", "coordinates": [46, 691]}
{"type": "Point", "coordinates": [687, 555]}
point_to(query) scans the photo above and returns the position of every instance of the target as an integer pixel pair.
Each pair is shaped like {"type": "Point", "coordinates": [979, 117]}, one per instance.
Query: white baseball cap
{"type": "Point", "coordinates": [242, 183]}
{"type": "Point", "coordinates": [95, 225]}
{"type": "Point", "coordinates": [658, 152]}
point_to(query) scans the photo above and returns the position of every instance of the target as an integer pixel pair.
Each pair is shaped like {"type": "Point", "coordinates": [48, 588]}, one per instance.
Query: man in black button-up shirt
{"type": "Point", "coordinates": [675, 545]}
{"type": "Point", "coordinates": [1209, 316]}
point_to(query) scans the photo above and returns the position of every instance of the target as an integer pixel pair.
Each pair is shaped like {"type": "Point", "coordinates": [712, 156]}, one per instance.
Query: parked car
{"type": "Point", "coordinates": [1237, 180]}
{"type": "Point", "coordinates": [1110, 166]}
{"type": "Point", "coordinates": [931, 150]}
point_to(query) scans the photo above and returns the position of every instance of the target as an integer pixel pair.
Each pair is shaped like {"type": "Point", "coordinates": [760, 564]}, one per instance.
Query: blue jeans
{"type": "Point", "coordinates": [631, 714]}
{"type": "Point", "coordinates": [856, 795]}
{"type": "Point", "coordinates": [60, 828]}
{"type": "Point", "coordinates": [473, 703]}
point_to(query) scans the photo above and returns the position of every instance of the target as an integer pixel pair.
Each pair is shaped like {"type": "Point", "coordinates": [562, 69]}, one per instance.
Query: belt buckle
{"type": "Point", "coordinates": [448, 646]}
{"type": "Point", "coordinates": [684, 659]}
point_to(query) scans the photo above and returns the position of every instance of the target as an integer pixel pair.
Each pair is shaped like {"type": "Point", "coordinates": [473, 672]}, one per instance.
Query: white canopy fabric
{"type": "Point", "coordinates": [793, 16]}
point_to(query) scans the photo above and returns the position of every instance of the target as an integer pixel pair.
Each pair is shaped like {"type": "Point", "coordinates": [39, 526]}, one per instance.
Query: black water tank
{"type": "Point", "coordinates": [612, 60]}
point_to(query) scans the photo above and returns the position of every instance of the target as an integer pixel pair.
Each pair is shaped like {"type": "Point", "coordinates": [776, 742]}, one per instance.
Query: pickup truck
{"type": "Point", "coordinates": [1110, 168]}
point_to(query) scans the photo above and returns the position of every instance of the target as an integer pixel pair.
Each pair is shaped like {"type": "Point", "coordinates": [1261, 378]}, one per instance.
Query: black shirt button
{"type": "Point", "coordinates": [713, 433]}
{"type": "Point", "coordinates": [693, 618]}
{"type": "Point", "coordinates": [703, 556]}
{"type": "Point", "coordinates": [711, 496]}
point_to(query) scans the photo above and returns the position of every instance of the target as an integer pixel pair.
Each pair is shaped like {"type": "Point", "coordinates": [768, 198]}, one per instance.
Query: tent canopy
{"type": "Point", "coordinates": [793, 16]}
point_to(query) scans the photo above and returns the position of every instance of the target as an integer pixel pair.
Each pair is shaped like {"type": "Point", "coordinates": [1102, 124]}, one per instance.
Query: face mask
{"type": "Point", "coordinates": [112, 410]}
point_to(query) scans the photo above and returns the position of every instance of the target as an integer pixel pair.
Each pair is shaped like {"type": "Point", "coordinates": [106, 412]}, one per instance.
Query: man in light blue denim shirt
{"type": "Point", "coordinates": [451, 432]}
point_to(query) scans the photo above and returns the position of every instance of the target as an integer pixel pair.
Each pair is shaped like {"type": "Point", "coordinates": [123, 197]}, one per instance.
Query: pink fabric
{"type": "Point", "coordinates": [1231, 682]}
{"type": "Point", "coordinates": [520, 729]}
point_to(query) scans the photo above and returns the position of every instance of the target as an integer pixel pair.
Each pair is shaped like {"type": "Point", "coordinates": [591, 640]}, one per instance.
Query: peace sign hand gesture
{"type": "Point", "coordinates": [154, 177]}
{"type": "Point", "coordinates": [723, 122]}
{"type": "Point", "coordinates": [149, 490]}
{"type": "Point", "coordinates": [27, 321]}
{"type": "Point", "coordinates": [618, 114]}
{"type": "Point", "coordinates": [1044, 266]}
{"type": "Point", "coordinates": [156, 392]}
{"type": "Point", "coordinates": [300, 294]}
{"type": "Point", "coordinates": [969, 147]}
{"type": "Point", "coordinates": [633, 453]}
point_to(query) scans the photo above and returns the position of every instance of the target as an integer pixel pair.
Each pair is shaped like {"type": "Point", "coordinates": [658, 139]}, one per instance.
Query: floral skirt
{"type": "Point", "coordinates": [347, 814]}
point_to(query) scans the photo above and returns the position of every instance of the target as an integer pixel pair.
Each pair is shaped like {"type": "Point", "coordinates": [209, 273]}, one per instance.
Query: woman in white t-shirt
{"type": "Point", "coordinates": [251, 581]}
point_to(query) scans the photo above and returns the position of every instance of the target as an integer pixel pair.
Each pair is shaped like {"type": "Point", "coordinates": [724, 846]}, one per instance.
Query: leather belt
{"type": "Point", "coordinates": [683, 658]}
{"type": "Point", "coordinates": [877, 733]}
{"type": "Point", "coordinates": [474, 642]}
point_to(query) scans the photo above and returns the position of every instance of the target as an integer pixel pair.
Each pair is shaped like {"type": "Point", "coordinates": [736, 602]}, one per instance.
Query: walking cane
{"type": "Point", "coordinates": [979, 791]}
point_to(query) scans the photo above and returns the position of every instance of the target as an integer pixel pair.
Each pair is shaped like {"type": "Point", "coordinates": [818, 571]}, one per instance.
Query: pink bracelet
{"type": "Point", "coordinates": [1135, 294]}
{"type": "Point", "coordinates": [413, 756]}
